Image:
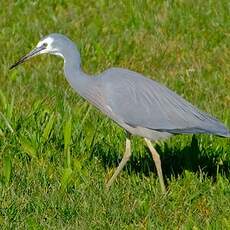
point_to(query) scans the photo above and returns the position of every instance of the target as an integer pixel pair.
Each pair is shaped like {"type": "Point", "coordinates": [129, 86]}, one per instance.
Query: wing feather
{"type": "Point", "coordinates": [142, 102]}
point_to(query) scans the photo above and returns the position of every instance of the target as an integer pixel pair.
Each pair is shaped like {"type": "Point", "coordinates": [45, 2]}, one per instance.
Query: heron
{"type": "Point", "coordinates": [141, 106]}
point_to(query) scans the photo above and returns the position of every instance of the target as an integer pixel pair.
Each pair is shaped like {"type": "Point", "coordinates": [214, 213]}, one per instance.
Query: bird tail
{"type": "Point", "coordinates": [219, 130]}
{"type": "Point", "coordinates": [212, 127]}
{"type": "Point", "coordinates": [222, 131]}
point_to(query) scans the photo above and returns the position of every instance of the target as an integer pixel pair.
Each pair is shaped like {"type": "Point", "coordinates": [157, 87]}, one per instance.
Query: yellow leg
{"type": "Point", "coordinates": [122, 163]}
{"type": "Point", "coordinates": [157, 161]}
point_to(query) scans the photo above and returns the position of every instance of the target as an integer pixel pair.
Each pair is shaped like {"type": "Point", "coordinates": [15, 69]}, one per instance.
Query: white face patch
{"type": "Point", "coordinates": [48, 41]}
{"type": "Point", "coordinates": [49, 47]}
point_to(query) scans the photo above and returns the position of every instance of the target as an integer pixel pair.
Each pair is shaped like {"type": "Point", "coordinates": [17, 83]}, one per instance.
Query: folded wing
{"type": "Point", "coordinates": [139, 101]}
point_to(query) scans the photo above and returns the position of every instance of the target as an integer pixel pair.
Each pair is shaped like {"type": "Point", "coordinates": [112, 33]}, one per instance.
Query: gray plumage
{"type": "Point", "coordinates": [140, 105]}
{"type": "Point", "coordinates": [140, 102]}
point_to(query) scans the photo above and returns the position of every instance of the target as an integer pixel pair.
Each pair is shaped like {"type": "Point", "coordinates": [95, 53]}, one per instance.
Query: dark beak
{"type": "Point", "coordinates": [31, 54]}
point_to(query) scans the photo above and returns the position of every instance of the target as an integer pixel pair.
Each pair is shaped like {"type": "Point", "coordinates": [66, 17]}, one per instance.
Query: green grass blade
{"type": "Point", "coordinates": [10, 108]}
{"type": "Point", "coordinates": [7, 123]}
{"type": "Point", "coordinates": [1, 133]}
{"type": "Point", "coordinates": [48, 127]}
{"type": "Point", "coordinates": [28, 148]}
{"type": "Point", "coordinates": [7, 167]}
{"type": "Point", "coordinates": [67, 140]}
{"type": "Point", "coordinates": [66, 176]}
{"type": "Point", "coordinates": [3, 100]}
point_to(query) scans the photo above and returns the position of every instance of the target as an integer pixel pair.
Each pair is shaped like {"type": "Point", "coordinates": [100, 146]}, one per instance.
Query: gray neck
{"type": "Point", "coordinates": [78, 80]}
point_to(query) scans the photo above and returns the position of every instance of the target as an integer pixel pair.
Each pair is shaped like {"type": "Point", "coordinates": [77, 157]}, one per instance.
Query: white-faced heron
{"type": "Point", "coordinates": [140, 105]}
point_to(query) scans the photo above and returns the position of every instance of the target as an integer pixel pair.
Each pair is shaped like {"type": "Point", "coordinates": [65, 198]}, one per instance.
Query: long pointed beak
{"type": "Point", "coordinates": [31, 54]}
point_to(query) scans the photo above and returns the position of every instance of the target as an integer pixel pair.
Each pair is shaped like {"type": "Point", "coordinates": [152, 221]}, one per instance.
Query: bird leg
{"type": "Point", "coordinates": [157, 161]}
{"type": "Point", "coordinates": [122, 163]}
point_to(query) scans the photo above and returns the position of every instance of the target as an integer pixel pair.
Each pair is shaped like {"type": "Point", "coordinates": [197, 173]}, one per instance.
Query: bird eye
{"type": "Point", "coordinates": [45, 44]}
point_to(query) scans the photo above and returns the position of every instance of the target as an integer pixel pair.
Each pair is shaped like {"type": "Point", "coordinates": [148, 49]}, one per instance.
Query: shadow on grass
{"type": "Point", "coordinates": [174, 161]}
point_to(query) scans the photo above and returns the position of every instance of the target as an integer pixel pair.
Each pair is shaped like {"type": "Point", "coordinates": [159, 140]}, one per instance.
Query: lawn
{"type": "Point", "coordinates": [57, 151]}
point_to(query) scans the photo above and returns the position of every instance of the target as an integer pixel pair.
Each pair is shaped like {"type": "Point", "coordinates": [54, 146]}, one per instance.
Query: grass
{"type": "Point", "coordinates": [56, 151]}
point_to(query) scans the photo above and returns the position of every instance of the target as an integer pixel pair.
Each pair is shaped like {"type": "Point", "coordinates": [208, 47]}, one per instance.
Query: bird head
{"type": "Point", "coordinates": [53, 44]}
